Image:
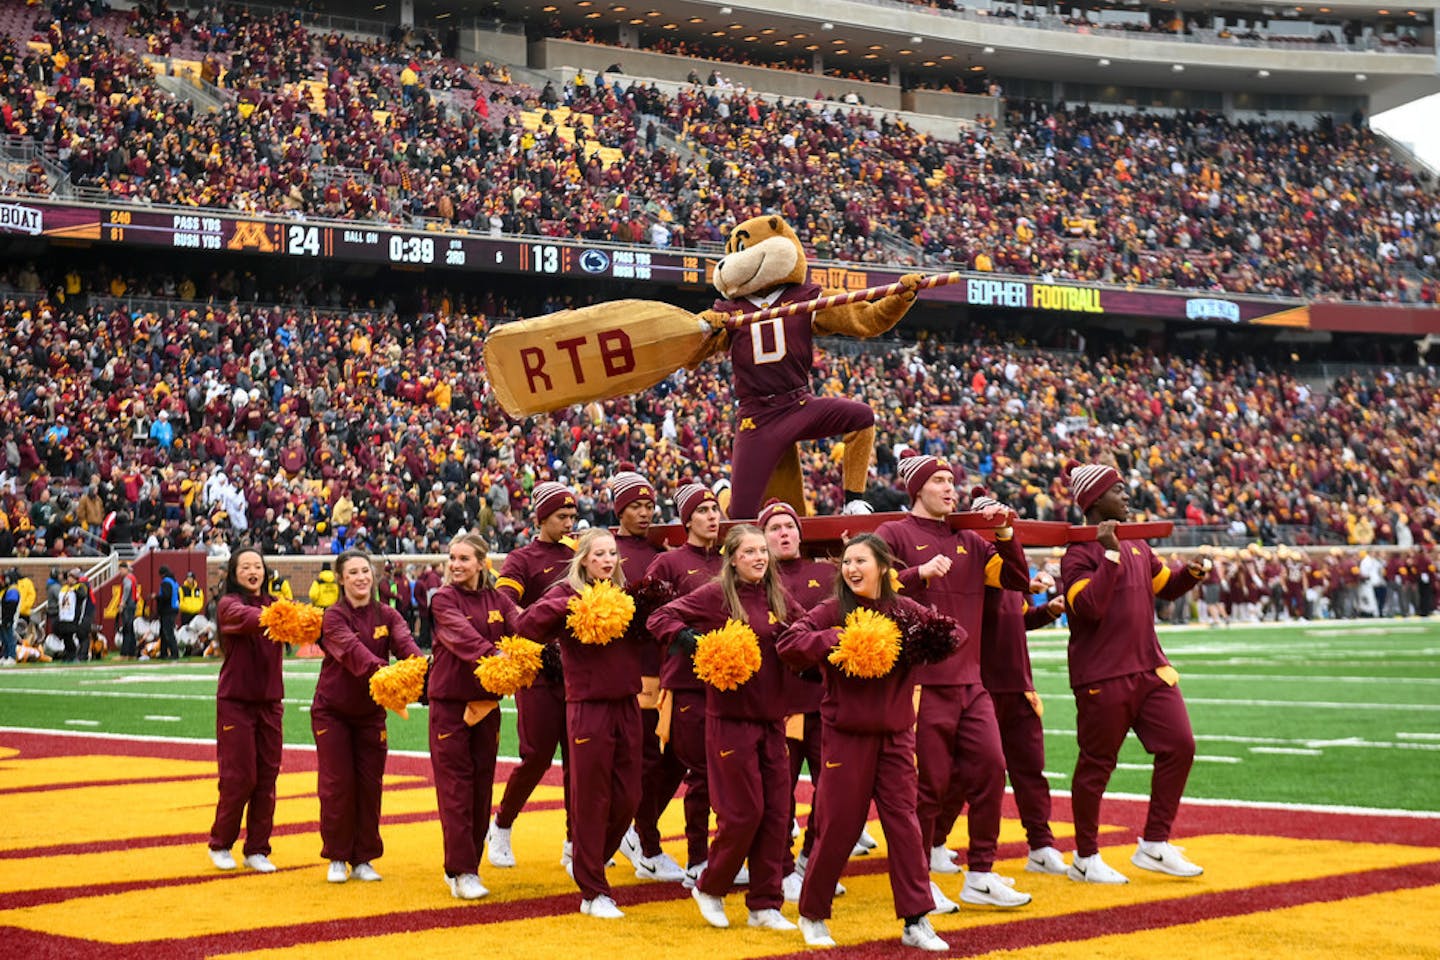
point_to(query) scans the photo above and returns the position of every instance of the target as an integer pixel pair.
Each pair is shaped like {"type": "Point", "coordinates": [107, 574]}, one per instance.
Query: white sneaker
{"type": "Point", "coordinates": [711, 908]}
{"type": "Point", "coordinates": [801, 862]}
{"type": "Point", "coordinates": [1046, 860]}
{"type": "Point", "coordinates": [923, 936]}
{"type": "Point", "coordinates": [660, 867]}
{"type": "Point", "coordinates": [339, 872]}
{"type": "Point", "coordinates": [601, 908]}
{"type": "Point", "coordinates": [790, 887]}
{"type": "Point", "coordinates": [943, 904]}
{"type": "Point", "coordinates": [497, 845]}
{"type": "Point", "coordinates": [940, 861]}
{"type": "Point", "coordinates": [259, 863]}
{"type": "Point", "coordinates": [867, 841]}
{"type": "Point", "coordinates": [1092, 869]}
{"type": "Point", "coordinates": [467, 886]}
{"type": "Point", "coordinates": [857, 508]}
{"type": "Point", "coordinates": [770, 919]}
{"type": "Point", "coordinates": [794, 830]}
{"type": "Point", "coordinates": [1164, 858]}
{"type": "Point", "coordinates": [816, 934]}
{"type": "Point", "coordinates": [692, 874]}
{"type": "Point", "coordinates": [365, 873]}
{"type": "Point", "coordinates": [742, 877]}
{"type": "Point", "coordinates": [567, 854]}
{"type": "Point", "coordinates": [223, 859]}
{"type": "Point", "coordinates": [990, 890]}
{"type": "Point", "coordinates": [630, 847]}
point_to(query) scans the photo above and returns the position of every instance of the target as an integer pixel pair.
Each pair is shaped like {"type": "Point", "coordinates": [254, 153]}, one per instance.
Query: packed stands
{"type": "Point", "coordinates": [351, 129]}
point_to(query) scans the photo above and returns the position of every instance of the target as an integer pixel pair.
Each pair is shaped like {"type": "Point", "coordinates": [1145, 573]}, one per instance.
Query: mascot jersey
{"type": "Point", "coordinates": [773, 356]}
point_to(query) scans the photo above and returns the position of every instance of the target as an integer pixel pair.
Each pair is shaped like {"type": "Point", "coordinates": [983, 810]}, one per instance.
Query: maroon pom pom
{"type": "Point", "coordinates": [650, 594]}
{"type": "Point", "coordinates": [550, 667]}
{"type": "Point", "coordinates": [927, 636]}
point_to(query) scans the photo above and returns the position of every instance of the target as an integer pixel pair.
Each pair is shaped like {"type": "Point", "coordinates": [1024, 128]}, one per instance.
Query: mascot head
{"type": "Point", "coordinates": [762, 253]}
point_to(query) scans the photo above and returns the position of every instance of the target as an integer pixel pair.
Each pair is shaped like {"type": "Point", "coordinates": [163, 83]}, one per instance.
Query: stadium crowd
{"type": "Point", "coordinates": [311, 428]}
{"type": "Point", "coordinates": [350, 129]}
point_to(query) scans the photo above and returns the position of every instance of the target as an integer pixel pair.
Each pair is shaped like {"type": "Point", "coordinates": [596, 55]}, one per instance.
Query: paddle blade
{"type": "Point", "coordinates": [594, 353]}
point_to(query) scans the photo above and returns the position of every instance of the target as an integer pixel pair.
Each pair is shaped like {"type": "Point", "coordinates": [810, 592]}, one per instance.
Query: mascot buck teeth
{"type": "Point", "coordinates": [764, 266]}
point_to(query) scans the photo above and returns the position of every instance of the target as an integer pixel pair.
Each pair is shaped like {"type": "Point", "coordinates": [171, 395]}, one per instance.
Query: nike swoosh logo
{"type": "Point", "coordinates": [684, 708]}
{"type": "Point", "coordinates": [1093, 692]}
{"type": "Point", "coordinates": [832, 764]}
{"type": "Point", "coordinates": [321, 733]}
{"type": "Point", "coordinates": [984, 890]}
{"type": "Point", "coordinates": [227, 728]}
{"type": "Point", "coordinates": [547, 569]}
{"type": "Point", "coordinates": [725, 753]}
{"type": "Point", "coordinates": [1078, 869]}
{"type": "Point", "coordinates": [441, 736]}
{"type": "Point", "coordinates": [922, 546]}
{"type": "Point", "coordinates": [580, 740]}
{"type": "Point", "coordinates": [1153, 857]}
{"type": "Point", "coordinates": [650, 867]}
{"type": "Point", "coordinates": [693, 572]}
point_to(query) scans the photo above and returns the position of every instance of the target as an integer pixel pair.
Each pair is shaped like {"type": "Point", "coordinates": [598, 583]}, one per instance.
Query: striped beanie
{"type": "Point", "coordinates": [627, 487]}
{"type": "Point", "coordinates": [979, 499]}
{"type": "Point", "coordinates": [548, 497]}
{"type": "Point", "coordinates": [775, 508]}
{"type": "Point", "coordinates": [914, 471]}
{"type": "Point", "coordinates": [689, 497]}
{"type": "Point", "coordinates": [1088, 481]}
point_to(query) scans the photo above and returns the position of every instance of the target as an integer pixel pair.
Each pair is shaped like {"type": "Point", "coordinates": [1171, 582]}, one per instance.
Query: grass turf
{"type": "Point", "coordinates": [1326, 713]}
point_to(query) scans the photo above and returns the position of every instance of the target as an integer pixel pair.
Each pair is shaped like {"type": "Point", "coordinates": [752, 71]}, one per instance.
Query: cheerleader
{"type": "Point", "coordinates": [359, 636]}
{"type": "Point", "coordinates": [248, 713]}
{"type": "Point", "coordinates": [469, 617]}
{"type": "Point", "coordinates": [748, 768]}
{"type": "Point", "coordinates": [602, 668]}
{"type": "Point", "coordinates": [869, 753]}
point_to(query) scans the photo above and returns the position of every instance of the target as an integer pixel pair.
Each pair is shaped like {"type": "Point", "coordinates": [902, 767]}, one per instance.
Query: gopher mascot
{"type": "Point", "coordinates": [765, 266]}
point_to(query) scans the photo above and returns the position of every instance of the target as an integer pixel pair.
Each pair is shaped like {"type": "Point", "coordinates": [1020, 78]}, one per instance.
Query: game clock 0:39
{"type": "Point", "coordinates": [411, 249]}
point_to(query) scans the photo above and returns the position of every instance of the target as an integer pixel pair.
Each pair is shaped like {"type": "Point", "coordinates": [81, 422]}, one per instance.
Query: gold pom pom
{"type": "Point", "coordinates": [727, 657]}
{"type": "Point", "coordinates": [512, 668]}
{"type": "Point", "coordinates": [400, 684]}
{"type": "Point", "coordinates": [600, 613]}
{"type": "Point", "coordinates": [289, 622]}
{"type": "Point", "coordinates": [869, 644]}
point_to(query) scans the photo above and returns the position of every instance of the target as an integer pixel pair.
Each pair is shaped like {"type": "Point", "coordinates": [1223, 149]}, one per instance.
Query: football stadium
{"type": "Point", "coordinates": [718, 477]}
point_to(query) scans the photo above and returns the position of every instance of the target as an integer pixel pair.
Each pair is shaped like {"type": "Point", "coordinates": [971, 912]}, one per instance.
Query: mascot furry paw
{"type": "Point", "coordinates": [764, 266]}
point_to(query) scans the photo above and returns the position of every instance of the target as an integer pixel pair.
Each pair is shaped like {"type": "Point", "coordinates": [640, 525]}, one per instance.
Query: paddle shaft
{"type": "Point", "coordinates": [737, 320]}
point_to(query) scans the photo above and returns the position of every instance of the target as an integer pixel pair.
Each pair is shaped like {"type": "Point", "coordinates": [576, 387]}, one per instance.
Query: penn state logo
{"type": "Point", "coordinates": [594, 261]}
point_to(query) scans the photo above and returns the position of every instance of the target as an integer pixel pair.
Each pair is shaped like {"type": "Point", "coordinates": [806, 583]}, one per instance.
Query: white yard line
{"type": "Point", "coordinates": [163, 718]}
{"type": "Point", "coordinates": [83, 723]}
{"type": "Point", "coordinates": [1306, 742]}
{"type": "Point", "coordinates": [1313, 704]}
{"type": "Point", "coordinates": [1418, 736]}
{"type": "Point", "coordinates": [1214, 758]}
{"type": "Point", "coordinates": [1289, 751]}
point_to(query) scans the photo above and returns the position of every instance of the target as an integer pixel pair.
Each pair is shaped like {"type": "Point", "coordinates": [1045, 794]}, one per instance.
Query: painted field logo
{"type": "Point", "coordinates": [594, 261]}
{"type": "Point", "coordinates": [1205, 308]}
{"type": "Point", "coordinates": [18, 219]}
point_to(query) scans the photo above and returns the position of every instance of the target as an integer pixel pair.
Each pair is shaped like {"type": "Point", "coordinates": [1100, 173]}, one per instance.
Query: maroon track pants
{"type": "Point", "coordinates": [540, 726]}
{"type": "Point", "coordinates": [860, 767]}
{"type": "Point", "coordinates": [660, 776]}
{"type": "Point", "coordinates": [749, 775]}
{"type": "Point", "coordinates": [248, 744]}
{"type": "Point", "coordinates": [804, 752]}
{"type": "Point", "coordinates": [1023, 738]}
{"type": "Point", "coordinates": [350, 755]}
{"type": "Point", "coordinates": [604, 774]}
{"type": "Point", "coordinates": [1105, 712]}
{"type": "Point", "coordinates": [956, 736]}
{"type": "Point", "coordinates": [463, 759]}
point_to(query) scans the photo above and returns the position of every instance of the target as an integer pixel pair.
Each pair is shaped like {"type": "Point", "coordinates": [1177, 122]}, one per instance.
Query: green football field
{"type": "Point", "coordinates": [1324, 713]}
